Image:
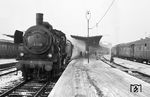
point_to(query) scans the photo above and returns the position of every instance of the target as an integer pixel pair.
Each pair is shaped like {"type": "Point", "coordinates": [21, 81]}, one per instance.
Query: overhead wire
{"type": "Point", "coordinates": [96, 25]}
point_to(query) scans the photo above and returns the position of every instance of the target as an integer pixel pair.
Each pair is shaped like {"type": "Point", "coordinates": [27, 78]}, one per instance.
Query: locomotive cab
{"type": "Point", "coordinates": [18, 37]}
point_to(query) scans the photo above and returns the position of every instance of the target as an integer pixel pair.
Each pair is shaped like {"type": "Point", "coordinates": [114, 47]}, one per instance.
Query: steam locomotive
{"type": "Point", "coordinates": [42, 51]}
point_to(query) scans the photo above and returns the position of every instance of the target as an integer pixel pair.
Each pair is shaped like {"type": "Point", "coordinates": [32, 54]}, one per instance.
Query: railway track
{"type": "Point", "coordinates": [130, 71]}
{"type": "Point", "coordinates": [10, 84]}
{"type": "Point", "coordinates": [29, 89]}
{"type": "Point", "coordinates": [114, 65]}
{"type": "Point", "coordinates": [6, 69]}
{"type": "Point", "coordinates": [7, 65]}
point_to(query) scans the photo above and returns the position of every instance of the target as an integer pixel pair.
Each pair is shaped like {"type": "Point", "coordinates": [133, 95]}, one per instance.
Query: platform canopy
{"type": "Point", "coordinates": [91, 41]}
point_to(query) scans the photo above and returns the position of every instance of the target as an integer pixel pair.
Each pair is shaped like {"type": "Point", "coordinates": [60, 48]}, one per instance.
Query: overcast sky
{"type": "Point", "coordinates": [127, 20]}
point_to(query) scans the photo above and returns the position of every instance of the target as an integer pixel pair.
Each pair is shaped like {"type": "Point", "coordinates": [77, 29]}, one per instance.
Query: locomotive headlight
{"type": "Point", "coordinates": [49, 55]}
{"type": "Point", "coordinates": [21, 54]}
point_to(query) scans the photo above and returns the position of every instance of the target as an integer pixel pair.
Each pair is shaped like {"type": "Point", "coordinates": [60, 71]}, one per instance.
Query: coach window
{"type": "Point", "coordinates": [4, 47]}
{"type": "Point", "coordinates": [148, 47]}
{"type": "Point", "coordinates": [145, 46]}
{"type": "Point", "coordinates": [139, 48]}
{"type": "Point", "coordinates": [142, 47]}
{"type": "Point", "coordinates": [135, 48]}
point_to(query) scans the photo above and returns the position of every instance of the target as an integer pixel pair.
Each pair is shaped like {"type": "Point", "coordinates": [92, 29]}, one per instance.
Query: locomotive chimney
{"type": "Point", "coordinates": [39, 18]}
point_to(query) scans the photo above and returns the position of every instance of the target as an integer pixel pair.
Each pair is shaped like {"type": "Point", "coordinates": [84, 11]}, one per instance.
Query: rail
{"type": "Point", "coordinates": [12, 89]}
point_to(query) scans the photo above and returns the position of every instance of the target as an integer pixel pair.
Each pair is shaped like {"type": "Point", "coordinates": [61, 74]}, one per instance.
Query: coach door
{"type": "Point", "coordinates": [117, 50]}
{"type": "Point", "coordinates": [132, 50]}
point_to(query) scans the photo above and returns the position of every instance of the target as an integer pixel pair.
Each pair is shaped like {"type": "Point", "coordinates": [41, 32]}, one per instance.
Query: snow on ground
{"type": "Point", "coordinates": [5, 61]}
{"type": "Point", "coordinates": [96, 79]}
{"type": "Point", "coordinates": [7, 80]}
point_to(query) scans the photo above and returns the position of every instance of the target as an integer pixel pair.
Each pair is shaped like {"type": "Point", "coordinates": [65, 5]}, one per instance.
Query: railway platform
{"type": "Point", "coordinates": [97, 79]}
{"type": "Point", "coordinates": [140, 67]}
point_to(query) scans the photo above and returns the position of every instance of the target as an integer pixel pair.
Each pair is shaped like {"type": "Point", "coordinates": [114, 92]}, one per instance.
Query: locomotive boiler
{"type": "Point", "coordinates": [42, 52]}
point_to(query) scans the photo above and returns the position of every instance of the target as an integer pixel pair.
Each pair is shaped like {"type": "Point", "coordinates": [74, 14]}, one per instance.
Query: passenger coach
{"type": "Point", "coordinates": [138, 50]}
